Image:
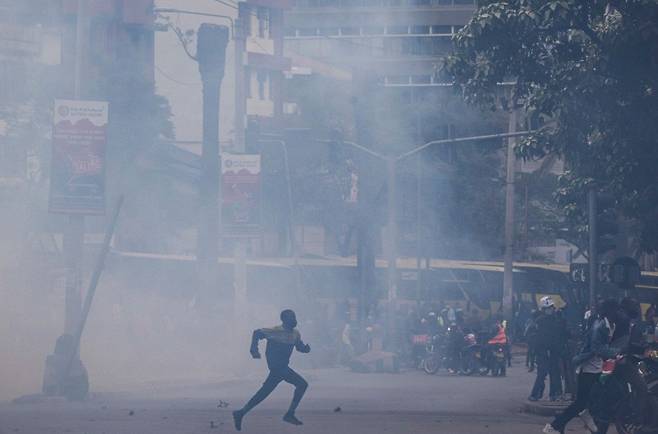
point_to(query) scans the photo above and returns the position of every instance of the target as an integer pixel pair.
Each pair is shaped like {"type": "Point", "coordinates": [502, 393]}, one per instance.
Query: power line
{"type": "Point", "coordinates": [226, 3]}
{"type": "Point", "coordinates": [173, 79]}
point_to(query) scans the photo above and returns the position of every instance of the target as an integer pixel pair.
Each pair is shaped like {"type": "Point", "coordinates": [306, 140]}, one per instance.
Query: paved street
{"type": "Point", "coordinates": [406, 403]}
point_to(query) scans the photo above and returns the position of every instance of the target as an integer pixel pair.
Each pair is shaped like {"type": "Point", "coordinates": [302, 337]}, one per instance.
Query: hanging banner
{"type": "Point", "coordinates": [241, 195]}
{"type": "Point", "coordinates": [77, 173]}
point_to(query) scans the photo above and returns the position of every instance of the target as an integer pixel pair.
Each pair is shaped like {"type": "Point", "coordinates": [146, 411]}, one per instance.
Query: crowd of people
{"type": "Point", "coordinates": [614, 329]}
{"type": "Point", "coordinates": [457, 329]}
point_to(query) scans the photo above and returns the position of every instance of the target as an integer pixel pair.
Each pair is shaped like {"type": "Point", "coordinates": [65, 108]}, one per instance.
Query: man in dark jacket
{"type": "Point", "coordinates": [550, 339]}
{"type": "Point", "coordinates": [530, 335]}
{"type": "Point", "coordinates": [281, 340]}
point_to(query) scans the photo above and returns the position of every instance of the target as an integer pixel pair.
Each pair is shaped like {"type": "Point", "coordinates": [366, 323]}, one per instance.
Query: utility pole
{"type": "Point", "coordinates": [593, 269]}
{"type": "Point", "coordinates": [211, 57]}
{"type": "Point", "coordinates": [419, 207]}
{"type": "Point", "coordinates": [239, 36]}
{"type": "Point", "coordinates": [365, 254]}
{"type": "Point", "coordinates": [419, 229]}
{"type": "Point", "coordinates": [508, 274]}
{"type": "Point", "coordinates": [391, 230]}
{"type": "Point", "coordinates": [73, 241]}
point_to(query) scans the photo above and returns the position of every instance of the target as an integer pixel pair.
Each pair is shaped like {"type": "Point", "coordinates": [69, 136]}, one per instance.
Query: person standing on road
{"type": "Point", "coordinates": [596, 348]}
{"type": "Point", "coordinates": [280, 342]}
{"type": "Point", "coordinates": [530, 335]}
{"type": "Point", "coordinates": [551, 336]}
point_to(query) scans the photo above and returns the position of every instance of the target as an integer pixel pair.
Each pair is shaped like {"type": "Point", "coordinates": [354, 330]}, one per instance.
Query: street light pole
{"type": "Point", "coordinates": [391, 162]}
{"type": "Point", "coordinates": [593, 269]}
{"type": "Point", "coordinates": [508, 273]}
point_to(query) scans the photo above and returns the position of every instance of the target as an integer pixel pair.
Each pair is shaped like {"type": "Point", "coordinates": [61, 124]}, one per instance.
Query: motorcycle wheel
{"type": "Point", "coordinates": [431, 365]}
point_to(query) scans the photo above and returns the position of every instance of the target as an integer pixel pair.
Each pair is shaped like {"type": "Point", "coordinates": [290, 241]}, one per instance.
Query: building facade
{"type": "Point", "coordinates": [260, 72]}
{"type": "Point", "coordinates": [397, 41]}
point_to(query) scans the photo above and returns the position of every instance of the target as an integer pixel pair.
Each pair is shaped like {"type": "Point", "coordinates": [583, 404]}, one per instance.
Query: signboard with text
{"type": "Point", "coordinates": [77, 174]}
{"type": "Point", "coordinates": [241, 195]}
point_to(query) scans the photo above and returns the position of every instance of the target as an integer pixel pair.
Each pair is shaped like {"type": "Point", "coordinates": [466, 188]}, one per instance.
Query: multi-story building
{"type": "Point", "coordinates": [37, 66]}
{"type": "Point", "coordinates": [393, 50]}
{"type": "Point", "coordinates": [260, 73]}
{"type": "Point", "coordinates": [37, 40]}
{"type": "Point", "coordinates": [251, 88]}
{"type": "Point", "coordinates": [398, 41]}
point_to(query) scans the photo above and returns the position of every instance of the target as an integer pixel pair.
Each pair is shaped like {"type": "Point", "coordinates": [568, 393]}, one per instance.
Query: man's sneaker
{"type": "Point", "coordinates": [237, 419]}
{"type": "Point", "coordinates": [533, 398]}
{"type": "Point", "coordinates": [588, 420]}
{"type": "Point", "coordinates": [290, 418]}
{"type": "Point", "coordinates": [548, 429]}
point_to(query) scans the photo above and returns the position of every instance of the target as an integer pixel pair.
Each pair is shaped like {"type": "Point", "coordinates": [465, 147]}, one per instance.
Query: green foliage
{"type": "Point", "coordinates": [587, 73]}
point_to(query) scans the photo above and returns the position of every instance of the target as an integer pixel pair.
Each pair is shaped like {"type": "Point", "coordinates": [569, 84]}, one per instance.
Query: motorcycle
{"type": "Point", "coordinates": [473, 357]}
{"type": "Point", "coordinates": [419, 343]}
{"type": "Point", "coordinates": [436, 354]}
{"type": "Point", "coordinates": [497, 360]}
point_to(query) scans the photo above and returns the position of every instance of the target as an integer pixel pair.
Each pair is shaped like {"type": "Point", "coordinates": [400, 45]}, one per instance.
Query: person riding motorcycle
{"type": "Point", "coordinates": [455, 336]}
{"type": "Point", "coordinates": [499, 339]}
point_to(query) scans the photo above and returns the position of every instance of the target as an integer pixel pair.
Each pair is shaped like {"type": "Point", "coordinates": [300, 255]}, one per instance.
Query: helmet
{"type": "Point", "coordinates": [546, 302]}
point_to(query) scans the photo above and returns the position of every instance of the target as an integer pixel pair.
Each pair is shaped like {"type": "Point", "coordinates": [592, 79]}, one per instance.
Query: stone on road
{"type": "Point", "coordinates": [406, 403]}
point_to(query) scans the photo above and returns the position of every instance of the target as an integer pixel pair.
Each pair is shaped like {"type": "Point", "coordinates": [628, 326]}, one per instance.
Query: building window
{"type": "Point", "coordinates": [397, 79]}
{"type": "Point", "coordinates": [249, 74]}
{"type": "Point", "coordinates": [349, 31]}
{"type": "Point", "coordinates": [373, 30]}
{"type": "Point", "coordinates": [397, 30]}
{"type": "Point", "coordinates": [441, 30]}
{"type": "Point", "coordinates": [420, 30]}
{"type": "Point", "coordinates": [308, 31]}
{"type": "Point", "coordinates": [263, 16]}
{"type": "Point", "coordinates": [261, 76]}
{"type": "Point", "coordinates": [421, 79]}
{"type": "Point", "coordinates": [329, 31]}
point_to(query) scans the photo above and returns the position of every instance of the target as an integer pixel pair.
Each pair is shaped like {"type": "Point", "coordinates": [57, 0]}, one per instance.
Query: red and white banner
{"type": "Point", "coordinates": [241, 194]}
{"type": "Point", "coordinates": [77, 175]}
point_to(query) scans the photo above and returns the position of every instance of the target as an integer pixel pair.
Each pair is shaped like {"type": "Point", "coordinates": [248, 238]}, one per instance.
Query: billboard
{"type": "Point", "coordinates": [77, 171]}
{"type": "Point", "coordinates": [241, 194]}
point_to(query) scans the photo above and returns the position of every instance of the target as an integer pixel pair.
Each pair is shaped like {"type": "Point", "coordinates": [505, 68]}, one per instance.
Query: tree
{"type": "Point", "coordinates": [139, 120]}
{"type": "Point", "coordinates": [586, 73]}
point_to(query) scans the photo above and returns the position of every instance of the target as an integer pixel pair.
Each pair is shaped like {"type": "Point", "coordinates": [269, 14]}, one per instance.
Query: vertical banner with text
{"type": "Point", "coordinates": [77, 175]}
{"type": "Point", "coordinates": [241, 195]}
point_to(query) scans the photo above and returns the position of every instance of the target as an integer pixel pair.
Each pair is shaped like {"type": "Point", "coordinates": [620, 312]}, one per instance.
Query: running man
{"type": "Point", "coordinates": [280, 342]}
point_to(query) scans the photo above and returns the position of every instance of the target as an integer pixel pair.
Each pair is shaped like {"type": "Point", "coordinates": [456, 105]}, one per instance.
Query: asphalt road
{"type": "Point", "coordinates": [406, 403]}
